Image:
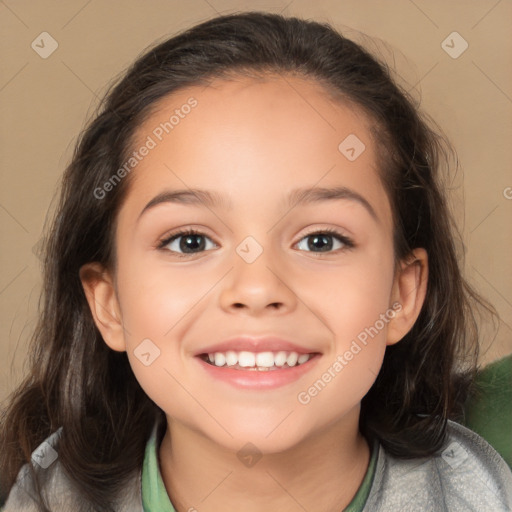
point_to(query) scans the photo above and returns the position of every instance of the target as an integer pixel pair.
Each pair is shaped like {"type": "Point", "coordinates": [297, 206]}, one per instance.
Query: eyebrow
{"type": "Point", "coordinates": [297, 197]}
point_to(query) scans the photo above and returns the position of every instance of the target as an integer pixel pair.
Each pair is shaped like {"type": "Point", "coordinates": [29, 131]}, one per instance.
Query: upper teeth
{"type": "Point", "coordinates": [260, 359]}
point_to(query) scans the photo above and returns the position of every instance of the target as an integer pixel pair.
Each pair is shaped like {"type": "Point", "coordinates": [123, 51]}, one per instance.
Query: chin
{"type": "Point", "coordinates": [269, 435]}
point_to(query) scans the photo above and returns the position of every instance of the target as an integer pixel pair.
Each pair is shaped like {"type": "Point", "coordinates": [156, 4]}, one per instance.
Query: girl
{"type": "Point", "coordinates": [252, 297]}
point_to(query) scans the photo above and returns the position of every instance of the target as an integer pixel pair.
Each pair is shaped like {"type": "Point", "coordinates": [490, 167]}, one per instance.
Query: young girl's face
{"type": "Point", "coordinates": [257, 269]}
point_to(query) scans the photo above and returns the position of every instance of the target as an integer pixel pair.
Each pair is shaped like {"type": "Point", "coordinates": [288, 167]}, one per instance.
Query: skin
{"type": "Point", "coordinates": [253, 141]}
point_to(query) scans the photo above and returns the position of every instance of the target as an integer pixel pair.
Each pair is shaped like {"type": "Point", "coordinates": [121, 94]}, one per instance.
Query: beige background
{"type": "Point", "coordinates": [45, 102]}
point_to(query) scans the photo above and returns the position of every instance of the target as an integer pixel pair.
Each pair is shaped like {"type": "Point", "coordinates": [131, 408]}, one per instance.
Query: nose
{"type": "Point", "coordinates": [259, 287]}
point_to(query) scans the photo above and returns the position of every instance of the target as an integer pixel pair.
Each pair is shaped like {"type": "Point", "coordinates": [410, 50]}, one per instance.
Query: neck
{"type": "Point", "coordinates": [322, 473]}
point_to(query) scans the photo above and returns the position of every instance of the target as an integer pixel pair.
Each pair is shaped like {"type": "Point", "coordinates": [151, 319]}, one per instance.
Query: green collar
{"type": "Point", "coordinates": [154, 494]}
{"type": "Point", "coordinates": [155, 498]}
{"type": "Point", "coordinates": [359, 500]}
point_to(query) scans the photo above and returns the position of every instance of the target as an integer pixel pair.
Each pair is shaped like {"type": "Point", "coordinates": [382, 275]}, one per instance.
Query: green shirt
{"type": "Point", "coordinates": [156, 499]}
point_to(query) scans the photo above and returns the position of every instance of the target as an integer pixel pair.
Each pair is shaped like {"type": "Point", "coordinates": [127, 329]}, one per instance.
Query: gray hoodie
{"type": "Point", "coordinates": [468, 475]}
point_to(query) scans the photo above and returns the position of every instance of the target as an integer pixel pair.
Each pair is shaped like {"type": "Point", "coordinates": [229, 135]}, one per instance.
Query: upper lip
{"type": "Point", "coordinates": [252, 344]}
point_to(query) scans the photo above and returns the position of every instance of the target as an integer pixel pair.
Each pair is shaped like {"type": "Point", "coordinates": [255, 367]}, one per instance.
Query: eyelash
{"type": "Point", "coordinates": [347, 242]}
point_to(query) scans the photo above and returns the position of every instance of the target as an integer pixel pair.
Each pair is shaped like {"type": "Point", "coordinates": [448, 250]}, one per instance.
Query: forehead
{"type": "Point", "coordinates": [250, 137]}
{"type": "Point", "coordinates": [268, 102]}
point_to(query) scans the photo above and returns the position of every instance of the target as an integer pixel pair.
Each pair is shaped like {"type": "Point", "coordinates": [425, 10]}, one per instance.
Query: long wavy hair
{"type": "Point", "coordinates": [78, 383]}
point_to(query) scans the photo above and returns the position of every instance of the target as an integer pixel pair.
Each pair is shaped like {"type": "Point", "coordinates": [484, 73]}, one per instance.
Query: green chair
{"type": "Point", "coordinates": [488, 411]}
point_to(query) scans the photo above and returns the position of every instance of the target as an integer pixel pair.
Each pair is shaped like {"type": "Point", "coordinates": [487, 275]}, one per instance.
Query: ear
{"type": "Point", "coordinates": [101, 295]}
{"type": "Point", "coordinates": [408, 294]}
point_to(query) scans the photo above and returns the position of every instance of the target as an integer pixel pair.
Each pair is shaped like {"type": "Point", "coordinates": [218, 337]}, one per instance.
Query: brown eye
{"type": "Point", "coordinates": [325, 241]}
{"type": "Point", "coordinates": [186, 242]}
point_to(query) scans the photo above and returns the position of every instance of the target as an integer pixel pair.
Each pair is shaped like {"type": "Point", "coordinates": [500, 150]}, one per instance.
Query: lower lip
{"type": "Point", "coordinates": [255, 379]}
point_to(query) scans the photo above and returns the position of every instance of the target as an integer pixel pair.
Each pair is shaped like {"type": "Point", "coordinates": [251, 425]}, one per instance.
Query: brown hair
{"type": "Point", "coordinates": [78, 383]}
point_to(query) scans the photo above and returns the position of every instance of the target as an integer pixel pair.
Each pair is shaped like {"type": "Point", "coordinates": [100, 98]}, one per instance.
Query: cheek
{"type": "Point", "coordinates": [357, 311]}
{"type": "Point", "coordinates": [355, 295]}
{"type": "Point", "coordinates": [169, 388]}
{"type": "Point", "coordinates": [154, 298]}
{"type": "Point", "coordinates": [156, 303]}
{"type": "Point", "coordinates": [355, 305]}
{"type": "Point", "coordinates": [155, 315]}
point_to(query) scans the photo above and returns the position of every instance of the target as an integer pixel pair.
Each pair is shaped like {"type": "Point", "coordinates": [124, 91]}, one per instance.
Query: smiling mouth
{"type": "Point", "coordinates": [257, 361]}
